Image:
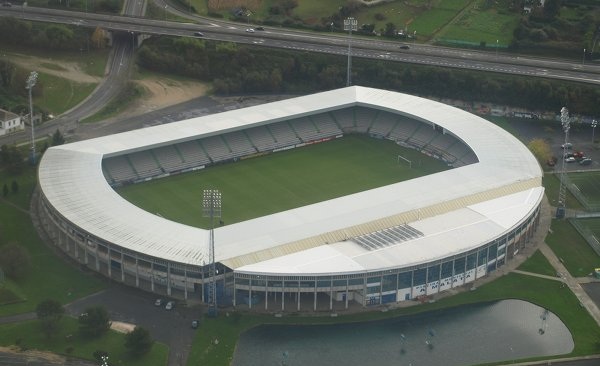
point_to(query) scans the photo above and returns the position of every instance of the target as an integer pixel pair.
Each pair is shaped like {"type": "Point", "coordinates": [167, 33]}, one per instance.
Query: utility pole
{"type": "Point", "coordinates": [31, 80]}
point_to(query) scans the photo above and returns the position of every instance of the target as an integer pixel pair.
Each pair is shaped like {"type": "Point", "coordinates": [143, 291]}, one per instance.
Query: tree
{"type": "Point", "coordinates": [138, 341]}
{"type": "Point", "coordinates": [14, 187]}
{"type": "Point", "coordinates": [94, 321]}
{"type": "Point", "coordinates": [552, 8]}
{"type": "Point", "coordinates": [99, 38]}
{"type": "Point", "coordinates": [14, 260]}
{"type": "Point", "coordinates": [390, 30]}
{"type": "Point", "coordinates": [59, 36]}
{"type": "Point", "coordinates": [57, 138]}
{"type": "Point", "coordinates": [49, 312]}
{"type": "Point", "coordinates": [540, 149]}
{"type": "Point", "coordinates": [5, 190]}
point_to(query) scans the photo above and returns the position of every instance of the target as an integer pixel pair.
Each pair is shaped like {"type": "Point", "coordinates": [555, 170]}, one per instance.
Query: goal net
{"type": "Point", "coordinates": [403, 160]}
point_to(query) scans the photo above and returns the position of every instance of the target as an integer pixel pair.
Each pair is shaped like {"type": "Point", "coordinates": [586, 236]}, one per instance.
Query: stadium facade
{"type": "Point", "coordinates": [391, 244]}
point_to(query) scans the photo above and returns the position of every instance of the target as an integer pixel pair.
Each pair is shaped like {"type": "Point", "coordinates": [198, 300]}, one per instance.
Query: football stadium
{"type": "Point", "coordinates": [398, 242]}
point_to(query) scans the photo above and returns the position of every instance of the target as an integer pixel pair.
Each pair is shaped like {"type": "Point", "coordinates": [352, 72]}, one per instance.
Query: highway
{"type": "Point", "coordinates": [128, 26]}
{"type": "Point", "coordinates": [365, 47]}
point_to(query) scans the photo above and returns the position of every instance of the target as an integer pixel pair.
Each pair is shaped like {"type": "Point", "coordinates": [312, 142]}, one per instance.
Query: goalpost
{"type": "Point", "coordinates": [402, 158]}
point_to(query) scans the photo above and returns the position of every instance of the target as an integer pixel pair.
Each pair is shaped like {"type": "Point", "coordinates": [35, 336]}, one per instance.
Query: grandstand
{"type": "Point", "coordinates": [390, 244]}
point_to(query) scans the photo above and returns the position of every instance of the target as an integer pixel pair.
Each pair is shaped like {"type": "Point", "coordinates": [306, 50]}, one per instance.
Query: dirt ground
{"type": "Point", "coordinates": [160, 91]}
{"type": "Point", "coordinates": [163, 92]}
{"type": "Point", "coordinates": [32, 355]}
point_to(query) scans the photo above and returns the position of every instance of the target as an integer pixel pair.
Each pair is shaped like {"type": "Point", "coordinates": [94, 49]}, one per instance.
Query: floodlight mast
{"type": "Point", "coordinates": [350, 24]}
{"type": "Point", "coordinates": [565, 120]}
{"type": "Point", "coordinates": [30, 83]}
{"type": "Point", "coordinates": [211, 207]}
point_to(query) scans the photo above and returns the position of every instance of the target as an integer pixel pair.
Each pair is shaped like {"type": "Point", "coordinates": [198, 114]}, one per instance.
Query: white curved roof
{"type": "Point", "coordinates": [494, 194]}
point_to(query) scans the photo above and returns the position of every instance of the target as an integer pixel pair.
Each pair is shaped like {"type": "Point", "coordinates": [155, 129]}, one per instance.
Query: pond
{"type": "Point", "coordinates": [470, 334]}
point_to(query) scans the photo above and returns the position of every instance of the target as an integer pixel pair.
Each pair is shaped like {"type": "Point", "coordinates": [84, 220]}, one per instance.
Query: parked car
{"type": "Point", "coordinates": [195, 323]}
{"type": "Point", "coordinates": [568, 145]}
{"type": "Point", "coordinates": [585, 161]}
{"type": "Point", "coordinates": [170, 305]}
{"type": "Point", "coordinates": [158, 302]}
{"type": "Point", "coordinates": [570, 159]}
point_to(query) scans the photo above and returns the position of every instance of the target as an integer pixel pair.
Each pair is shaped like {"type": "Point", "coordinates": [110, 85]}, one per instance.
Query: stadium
{"type": "Point", "coordinates": [395, 243]}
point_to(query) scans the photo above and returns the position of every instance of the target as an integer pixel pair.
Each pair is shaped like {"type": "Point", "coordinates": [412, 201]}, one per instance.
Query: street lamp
{"type": "Point", "coordinates": [583, 59]}
{"type": "Point", "coordinates": [594, 124]}
{"type": "Point", "coordinates": [31, 80]}
{"type": "Point", "coordinates": [350, 24]}
{"type": "Point", "coordinates": [496, 49]}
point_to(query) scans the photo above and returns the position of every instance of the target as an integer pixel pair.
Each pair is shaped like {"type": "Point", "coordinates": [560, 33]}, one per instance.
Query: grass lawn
{"type": "Point", "coordinates": [537, 263]}
{"type": "Point", "coordinates": [29, 336]}
{"type": "Point", "coordinates": [546, 293]}
{"type": "Point", "coordinates": [49, 276]}
{"type": "Point", "coordinates": [59, 94]}
{"type": "Point", "coordinates": [575, 252]}
{"type": "Point", "coordinates": [282, 181]}
{"type": "Point", "coordinates": [551, 183]}
{"type": "Point", "coordinates": [588, 184]}
{"type": "Point", "coordinates": [476, 25]}
{"type": "Point", "coordinates": [592, 224]}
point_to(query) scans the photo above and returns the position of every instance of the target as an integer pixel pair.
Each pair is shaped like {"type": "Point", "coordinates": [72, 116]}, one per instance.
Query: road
{"type": "Point", "coordinates": [365, 47]}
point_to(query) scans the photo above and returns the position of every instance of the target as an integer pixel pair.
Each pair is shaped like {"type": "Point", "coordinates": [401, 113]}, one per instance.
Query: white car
{"type": "Point", "coordinates": [158, 302]}
{"type": "Point", "coordinates": [170, 305]}
{"type": "Point", "coordinates": [250, 30]}
{"type": "Point", "coordinates": [570, 159]}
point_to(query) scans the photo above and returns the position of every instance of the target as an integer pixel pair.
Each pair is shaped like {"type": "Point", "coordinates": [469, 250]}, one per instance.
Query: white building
{"type": "Point", "coordinates": [10, 122]}
{"type": "Point", "coordinates": [391, 244]}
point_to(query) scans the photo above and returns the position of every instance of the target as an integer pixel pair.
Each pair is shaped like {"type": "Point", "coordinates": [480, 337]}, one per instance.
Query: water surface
{"type": "Point", "coordinates": [471, 334]}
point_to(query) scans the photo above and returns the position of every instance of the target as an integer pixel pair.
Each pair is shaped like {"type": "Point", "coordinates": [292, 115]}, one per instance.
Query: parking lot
{"type": "Point", "coordinates": [129, 305]}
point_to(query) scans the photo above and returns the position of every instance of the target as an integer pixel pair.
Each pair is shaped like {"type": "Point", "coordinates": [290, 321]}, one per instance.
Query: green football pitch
{"type": "Point", "coordinates": [586, 186]}
{"type": "Point", "coordinates": [281, 181]}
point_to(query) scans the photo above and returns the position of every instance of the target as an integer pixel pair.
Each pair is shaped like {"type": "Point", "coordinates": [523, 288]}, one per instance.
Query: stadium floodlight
{"type": "Point", "coordinates": [30, 83]}
{"type": "Point", "coordinates": [565, 120]}
{"type": "Point", "coordinates": [211, 207]}
{"type": "Point", "coordinates": [350, 24]}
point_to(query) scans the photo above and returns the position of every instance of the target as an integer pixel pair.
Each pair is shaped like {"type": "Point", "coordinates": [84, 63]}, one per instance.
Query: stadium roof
{"type": "Point", "coordinates": [480, 200]}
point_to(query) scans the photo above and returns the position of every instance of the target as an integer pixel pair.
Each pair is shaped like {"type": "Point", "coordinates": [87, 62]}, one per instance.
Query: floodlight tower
{"type": "Point", "coordinates": [30, 83]}
{"type": "Point", "coordinates": [211, 207]}
{"type": "Point", "coordinates": [350, 24]}
{"type": "Point", "coordinates": [562, 193]}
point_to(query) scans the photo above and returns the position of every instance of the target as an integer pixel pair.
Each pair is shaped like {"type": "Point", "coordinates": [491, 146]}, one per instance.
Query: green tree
{"type": "Point", "coordinates": [14, 260]}
{"type": "Point", "coordinates": [540, 149]}
{"type": "Point", "coordinates": [552, 8]}
{"type": "Point", "coordinates": [390, 30]}
{"type": "Point", "coordinates": [14, 186]}
{"type": "Point", "coordinates": [57, 138]}
{"type": "Point", "coordinates": [5, 190]}
{"type": "Point", "coordinates": [59, 36]}
{"type": "Point", "coordinates": [138, 341]}
{"type": "Point", "coordinates": [49, 312]}
{"type": "Point", "coordinates": [94, 321]}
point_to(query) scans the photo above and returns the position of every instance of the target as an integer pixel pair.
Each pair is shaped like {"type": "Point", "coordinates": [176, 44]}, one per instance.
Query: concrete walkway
{"type": "Point", "coordinates": [572, 282]}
